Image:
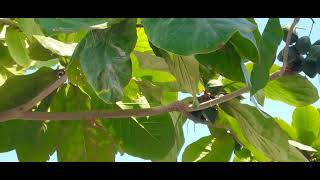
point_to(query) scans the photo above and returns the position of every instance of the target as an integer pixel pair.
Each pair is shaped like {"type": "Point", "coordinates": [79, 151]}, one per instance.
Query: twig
{"type": "Point", "coordinates": [311, 26]}
{"type": "Point", "coordinates": [17, 112]}
{"type": "Point", "coordinates": [286, 49]}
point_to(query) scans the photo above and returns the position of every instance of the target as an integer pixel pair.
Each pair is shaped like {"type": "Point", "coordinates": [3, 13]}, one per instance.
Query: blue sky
{"type": "Point", "coordinates": [193, 132]}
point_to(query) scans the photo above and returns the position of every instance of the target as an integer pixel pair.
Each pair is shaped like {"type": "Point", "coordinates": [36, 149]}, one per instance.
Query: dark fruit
{"type": "Point", "coordinates": [296, 66]}
{"type": "Point", "coordinates": [309, 67]}
{"type": "Point", "coordinates": [314, 52]}
{"type": "Point", "coordinates": [318, 66]}
{"type": "Point", "coordinates": [294, 36]}
{"type": "Point", "coordinates": [206, 115]}
{"type": "Point", "coordinates": [316, 43]}
{"type": "Point", "coordinates": [292, 54]}
{"type": "Point", "coordinates": [303, 45]}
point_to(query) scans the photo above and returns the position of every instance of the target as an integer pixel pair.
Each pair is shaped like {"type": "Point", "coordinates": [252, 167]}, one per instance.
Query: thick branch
{"type": "Point", "coordinates": [181, 106]}
{"type": "Point", "coordinates": [286, 49]}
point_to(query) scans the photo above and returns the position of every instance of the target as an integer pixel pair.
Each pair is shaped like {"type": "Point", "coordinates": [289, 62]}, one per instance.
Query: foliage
{"type": "Point", "coordinates": [121, 64]}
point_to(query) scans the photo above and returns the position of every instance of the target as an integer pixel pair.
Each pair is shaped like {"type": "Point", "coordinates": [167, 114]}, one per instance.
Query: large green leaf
{"type": "Point", "coordinates": [33, 140]}
{"type": "Point", "coordinates": [225, 61]}
{"type": "Point", "coordinates": [105, 59]}
{"type": "Point", "coordinates": [81, 140]}
{"type": "Point", "coordinates": [151, 74]}
{"type": "Point", "coordinates": [263, 133]}
{"type": "Point", "coordinates": [233, 125]}
{"type": "Point", "coordinates": [214, 148]}
{"type": "Point", "coordinates": [186, 71]}
{"type": "Point", "coordinates": [268, 45]}
{"type": "Point", "coordinates": [17, 47]}
{"type": "Point", "coordinates": [245, 44]}
{"type": "Point", "coordinates": [178, 120]}
{"type": "Point", "coordinates": [294, 90]}
{"type": "Point", "coordinates": [29, 27]}
{"type": "Point", "coordinates": [148, 137]}
{"type": "Point", "coordinates": [55, 46]}
{"type": "Point", "coordinates": [52, 26]}
{"type": "Point", "coordinates": [291, 132]}
{"type": "Point", "coordinates": [306, 122]}
{"type": "Point", "coordinates": [28, 87]}
{"type": "Point", "coordinates": [149, 61]}
{"type": "Point", "coordinates": [187, 36]}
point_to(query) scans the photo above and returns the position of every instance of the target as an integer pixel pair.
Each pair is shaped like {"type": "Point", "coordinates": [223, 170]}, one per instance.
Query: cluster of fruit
{"type": "Point", "coordinates": [302, 56]}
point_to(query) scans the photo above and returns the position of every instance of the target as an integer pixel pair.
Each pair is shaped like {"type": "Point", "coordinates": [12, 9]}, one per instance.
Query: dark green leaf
{"type": "Point", "coordinates": [52, 26]}
{"type": "Point", "coordinates": [225, 61]}
{"type": "Point", "coordinates": [246, 46]}
{"type": "Point", "coordinates": [105, 59]}
{"type": "Point", "coordinates": [187, 36]}
{"type": "Point", "coordinates": [18, 90]}
{"type": "Point", "coordinates": [215, 148]}
{"type": "Point", "coordinates": [294, 90]}
{"type": "Point", "coordinates": [270, 40]}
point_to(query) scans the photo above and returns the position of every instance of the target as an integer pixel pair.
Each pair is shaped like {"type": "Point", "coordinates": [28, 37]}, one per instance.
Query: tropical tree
{"type": "Point", "coordinates": [88, 88]}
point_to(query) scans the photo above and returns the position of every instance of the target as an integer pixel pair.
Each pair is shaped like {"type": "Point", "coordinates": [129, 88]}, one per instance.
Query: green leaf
{"type": "Point", "coordinates": [152, 75]}
{"type": "Point", "coordinates": [40, 64]}
{"type": "Point", "coordinates": [233, 125]}
{"type": "Point", "coordinates": [187, 36]}
{"type": "Point", "coordinates": [4, 74]}
{"type": "Point", "coordinates": [246, 46]}
{"type": "Point", "coordinates": [142, 41]}
{"type": "Point", "coordinates": [81, 140]}
{"type": "Point", "coordinates": [105, 59]}
{"type": "Point", "coordinates": [294, 90]}
{"type": "Point", "coordinates": [148, 137]}
{"type": "Point", "coordinates": [149, 61]}
{"type": "Point", "coordinates": [55, 46]}
{"type": "Point", "coordinates": [29, 86]}
{"type": "Point", "coordinates": [52, 26]}
{"type": "Point", "coordinates": [291, 132]}
{"type": "Point", "coordinates": [186, 71]}
{"type": "Point", "coordinates": [29, 27]}
{"type": "Point", "coordinates": [39, 53]}
{"type": "Point", "coordinates": [263, 133]}
{"type": "Point", "coordinates": [17, 47]}
{"type": "Point", "coordinates": [306, 122]}
{"type": "Point", "coordinates": [34, 141]}
{"type": "Point", "coordinates": [5, 57]}
{"type": "Point", "coordinates": [243, 155]}
{"type": "Point", "coordinates": [269, 42]}
{"type": "Point", "coordinates": [178, 120]}
{"type": "Point", "coordinates": [225, 61]}
{"type": "Point", "coordinates": [215, 148]}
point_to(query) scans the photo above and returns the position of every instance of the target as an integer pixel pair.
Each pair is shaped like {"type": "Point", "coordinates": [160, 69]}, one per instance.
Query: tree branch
{"type": "Point", "coordinates": [286, 49]}
{"type": "Point", "coordinates": [181, 106]}
{"type": "Point", "coordinates": [20, 112]}
{"type": "Point", "coordinates": [17, 112]}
